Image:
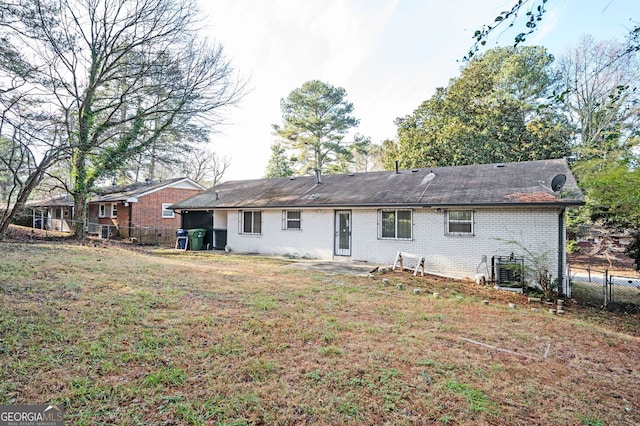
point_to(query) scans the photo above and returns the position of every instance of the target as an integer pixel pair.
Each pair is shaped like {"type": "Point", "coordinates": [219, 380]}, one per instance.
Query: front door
{"type": "Point", "coordinates": [343, 233]}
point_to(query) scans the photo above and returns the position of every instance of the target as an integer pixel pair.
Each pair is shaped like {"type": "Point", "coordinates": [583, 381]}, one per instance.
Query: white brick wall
{"type": "Point", "coordinates": [315, 239]}
{"type": "Point", "coordinates": [456, 256]}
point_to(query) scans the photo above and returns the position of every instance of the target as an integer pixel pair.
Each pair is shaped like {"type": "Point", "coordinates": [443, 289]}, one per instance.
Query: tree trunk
{"type": "Point", "coordinates": [80, 192]}
{"type": "Point", "coordinates": [23, 195]}
{"type": "Point", "coordinates": [79, 215]}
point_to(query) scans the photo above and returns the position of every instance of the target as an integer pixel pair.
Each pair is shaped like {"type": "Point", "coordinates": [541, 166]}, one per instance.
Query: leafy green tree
{"type": "Point", "coordinates": [316, 118]}
{"type": "Point", "coordinates": [612, 190]}
{"type": "Point", "coordinates": [123, 75]}
{"type": "Point", "coordinates": [359, 156]}
{"type": "Point", "coordinates": [613, 193]}
{"type": "Point", "coordinates": [367, 156]}
{"type": "Point", "coordinates": [389, 154]}
{"type": "Point", "coordinates": [493, 112]}
{"type": "Point", "coordinates": [279, 165]}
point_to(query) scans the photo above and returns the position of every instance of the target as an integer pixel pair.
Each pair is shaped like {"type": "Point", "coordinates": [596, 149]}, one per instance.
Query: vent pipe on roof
{"type": "Point", "coordinates": [397, 166]}
{"type": "Point", "coordinates": [318, 177]}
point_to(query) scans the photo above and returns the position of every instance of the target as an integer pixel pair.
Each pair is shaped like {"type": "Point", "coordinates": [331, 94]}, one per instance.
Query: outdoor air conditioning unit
{"type": "Point", "coordinates": [508, 271]}
{"type": "Point", "coordinates": [107, 231]}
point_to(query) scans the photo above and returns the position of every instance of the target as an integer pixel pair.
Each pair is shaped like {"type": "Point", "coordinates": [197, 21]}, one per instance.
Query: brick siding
{"type": "Point", "coordinates": [456, 256]}
{"type": "Point", "coordinates": [148, 210]}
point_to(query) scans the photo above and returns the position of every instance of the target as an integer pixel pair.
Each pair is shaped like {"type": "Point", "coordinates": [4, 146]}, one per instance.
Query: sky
{"type": "Point", "coordinates": [389, 56]}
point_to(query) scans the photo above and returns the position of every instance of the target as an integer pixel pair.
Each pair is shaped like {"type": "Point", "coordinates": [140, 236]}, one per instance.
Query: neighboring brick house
{"type": "Point", "coordinates": [139, 210]}
{"type": "Point", "coordinates": [457, 218]}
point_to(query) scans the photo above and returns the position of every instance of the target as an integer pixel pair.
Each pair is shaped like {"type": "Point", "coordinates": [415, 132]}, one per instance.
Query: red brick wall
{"type": "Point", "coordinates": [148, 210]}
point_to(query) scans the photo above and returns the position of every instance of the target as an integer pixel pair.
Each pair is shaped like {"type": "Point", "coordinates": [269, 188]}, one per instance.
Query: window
{"type": "Point", "coordinates": [108, 210]}
{"type": "Point", "coordinates": [292, 219]}
{"type": "Point", "coordinates": [396, 224]}
{"type": "Point", "coordinates": [459, 222]}
{"type": "Point", "coordinates": [166, 213]}
{"type": "Point", "coordinates": [251, 222]}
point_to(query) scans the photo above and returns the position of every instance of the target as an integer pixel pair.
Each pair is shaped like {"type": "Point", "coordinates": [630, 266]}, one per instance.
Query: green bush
{"type": "Point", "coordinates": [572, 246]}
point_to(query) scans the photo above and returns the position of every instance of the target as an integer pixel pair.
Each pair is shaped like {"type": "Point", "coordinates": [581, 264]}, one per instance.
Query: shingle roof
{"type": "Point", "coordinates": [110, 194]}
{"type": "Point", "coordinates": [523, 183]}
{"type": "Point", "coordinates": [122, 193]}
{"type": "Point", "coordinates": [60, 201]}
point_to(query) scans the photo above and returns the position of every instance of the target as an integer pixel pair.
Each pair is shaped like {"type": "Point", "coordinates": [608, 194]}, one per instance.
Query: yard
{"type": "Point", "coordinates": [158, 336]}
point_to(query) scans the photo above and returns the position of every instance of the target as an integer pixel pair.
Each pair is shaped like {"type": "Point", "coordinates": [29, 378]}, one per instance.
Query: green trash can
{"type": "Point", "coordinates": [196, 238]}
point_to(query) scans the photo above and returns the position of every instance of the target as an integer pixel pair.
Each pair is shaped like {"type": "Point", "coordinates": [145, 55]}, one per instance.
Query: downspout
{"type": "Point", "coordinates": [561, 256]}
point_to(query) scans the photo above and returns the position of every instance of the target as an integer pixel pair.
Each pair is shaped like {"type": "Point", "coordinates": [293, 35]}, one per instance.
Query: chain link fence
{"type": "Point", "coordinates": [606, 290]}
{"type": "Point", "coordinates": [146, 235]}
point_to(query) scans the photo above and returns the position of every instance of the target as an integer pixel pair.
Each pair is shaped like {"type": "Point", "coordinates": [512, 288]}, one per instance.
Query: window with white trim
{"type": "Point", "coordinates": [395, 224]}
{"type": "Point", "coordinates": [114, 209]}
{"type": "Point", "coordinates": [102, 210]}
{"type": "Point", "coordinates": [459, 222]}
{"type": "Point", "coordinates": [292, 219]}
{"type": "Point", "coordinates": [166, 212]}
{"type": "Point", "coordinates": [250, 222]}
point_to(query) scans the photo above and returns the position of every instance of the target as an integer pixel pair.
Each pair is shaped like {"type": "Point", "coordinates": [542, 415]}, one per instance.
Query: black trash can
{"type": "Point", "coordinates": [182, 241]}
{"type": "Point", "coordinates": [220, 239]}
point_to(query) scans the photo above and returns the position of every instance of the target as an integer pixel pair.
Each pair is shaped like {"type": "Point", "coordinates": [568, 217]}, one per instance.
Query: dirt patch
{"type": "Point", "coordinates": [335, 267]}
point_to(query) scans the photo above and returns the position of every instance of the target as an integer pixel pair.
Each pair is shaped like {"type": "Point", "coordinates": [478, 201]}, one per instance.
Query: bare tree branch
{"type": "Point", "coordinates": [125, 77]}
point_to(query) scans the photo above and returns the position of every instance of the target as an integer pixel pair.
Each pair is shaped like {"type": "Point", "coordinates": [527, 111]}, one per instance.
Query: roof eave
{"type": "Point", "coordinates": [567, 203]}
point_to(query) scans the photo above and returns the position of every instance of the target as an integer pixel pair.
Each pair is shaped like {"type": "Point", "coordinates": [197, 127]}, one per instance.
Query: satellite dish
{"type": "Point", "coordinates": [558, 182]}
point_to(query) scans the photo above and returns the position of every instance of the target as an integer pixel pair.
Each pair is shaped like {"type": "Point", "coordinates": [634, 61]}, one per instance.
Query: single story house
{"type": "Point", "coordinates": [460, 219]}
{"type": "Point", "coordinates": [54, 214]}
{"type": "Point", "coordinates": [139, 210]}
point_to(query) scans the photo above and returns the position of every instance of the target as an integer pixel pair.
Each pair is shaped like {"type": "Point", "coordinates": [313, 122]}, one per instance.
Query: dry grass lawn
{"type": "Point", "coordinates": [164, 337]}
